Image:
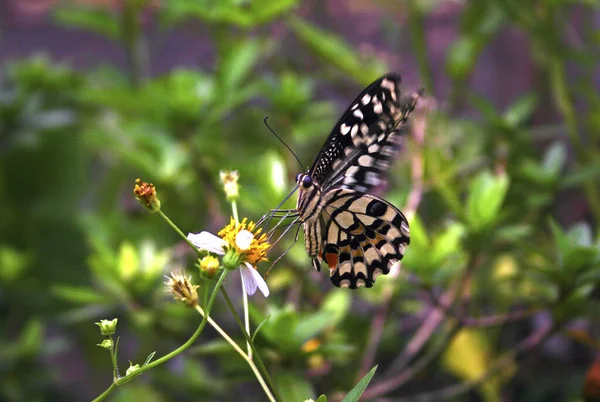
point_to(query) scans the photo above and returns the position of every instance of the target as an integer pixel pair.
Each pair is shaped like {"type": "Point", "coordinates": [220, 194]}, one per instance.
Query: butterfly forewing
{"type": "Point", "coordinates": [369, 122]}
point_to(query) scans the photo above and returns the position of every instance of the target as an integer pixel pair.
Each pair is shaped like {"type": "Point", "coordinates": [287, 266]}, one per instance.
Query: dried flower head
{"type": "Point", "coordinates": [182, 288]}
{"type": "Point", "coordinates": [146, 195]}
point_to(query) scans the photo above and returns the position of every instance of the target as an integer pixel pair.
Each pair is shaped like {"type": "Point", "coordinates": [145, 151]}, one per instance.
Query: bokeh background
{"type": "Point", "coordinates": [499, 177]}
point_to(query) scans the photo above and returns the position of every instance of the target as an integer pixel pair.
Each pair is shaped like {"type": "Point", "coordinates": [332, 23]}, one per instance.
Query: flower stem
{"type": "Point", "coordinates": [257, 357]}
{"type": "Point", "coordinates": [174, 226]}
{"type": "Point", "coordinates": [235, 211]}
{"type": "Point", "coordinates": [241, 353]}
{"type": "Point", "coordinates": [177, 351]}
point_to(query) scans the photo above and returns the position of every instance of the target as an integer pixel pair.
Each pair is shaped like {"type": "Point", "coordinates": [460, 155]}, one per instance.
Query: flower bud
{"type": "Point", "coordinates": [107, 327]}
{"type": "Point", "coordinates": [209, 265]}
{"type": "Point", "coordinates": [132, 368]}
{"type": "Point", "coordinates": [106, 344]}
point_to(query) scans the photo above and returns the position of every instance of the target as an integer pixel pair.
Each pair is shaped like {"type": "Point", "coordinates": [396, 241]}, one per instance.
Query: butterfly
{"type": "Point", "coordinates": [358, 235]}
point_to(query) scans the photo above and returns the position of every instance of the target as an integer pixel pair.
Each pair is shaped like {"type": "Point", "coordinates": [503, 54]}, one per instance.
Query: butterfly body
{"type": "Point", "coordinates": [359, 235]}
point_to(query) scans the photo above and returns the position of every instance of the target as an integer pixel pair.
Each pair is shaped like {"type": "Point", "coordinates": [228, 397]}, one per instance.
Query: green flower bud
{"type": "Point", "coordinates": [107, 327]}
{"type": "Point", "coordinates": [132, 368]}
{"type": "Point", "coordinates": [106, 344]}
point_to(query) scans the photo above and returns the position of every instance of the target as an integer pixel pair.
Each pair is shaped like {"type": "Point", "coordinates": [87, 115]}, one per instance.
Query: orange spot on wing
{"type": "Point", "coordinates": [332, 260]}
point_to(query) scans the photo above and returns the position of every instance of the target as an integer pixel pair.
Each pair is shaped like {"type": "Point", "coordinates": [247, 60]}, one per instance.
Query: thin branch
{"type": "Point", "coordinates": [412, 204]}
{"type": "Point", "coordinates": [503, 362]}
{"type": "Point", "coordinates": [409, 373]}
{"type": "Point", "coordinates": [486, 321]}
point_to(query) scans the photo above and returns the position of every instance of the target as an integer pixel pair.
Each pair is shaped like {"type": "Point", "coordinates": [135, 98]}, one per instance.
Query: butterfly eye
{"type": "Point", "coordinates": [298, 177]}
{"type": "Point", "coordinates": [307, 182]}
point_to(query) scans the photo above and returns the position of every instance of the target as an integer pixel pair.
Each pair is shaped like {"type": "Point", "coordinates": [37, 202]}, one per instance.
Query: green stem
{"type": "Point", "coordinates": [177, 351]}
{"type": "Point", "coordinates": [234, 210]}
{"type": "Point", "coordinates": [257, 357]}
{"type": "Point", "coordinates": [170, 222]}
{"type": "Point", "coordinates": [103, 396]}
{"type": "Point", "coordinates": [113, 359]}
{"type": "Point", "coordinates": [239, 350]}
{"type": "Point", "coordinates": [566, 108]}
{"type": "Point", "coordinates": [417, 30]}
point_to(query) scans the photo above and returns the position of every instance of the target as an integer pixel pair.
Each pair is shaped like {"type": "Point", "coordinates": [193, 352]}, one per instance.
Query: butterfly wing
{"type": "Point", "coordinates": [362, 142]}
{"type": "Point", "coordinates": [363, 236]}
{"type": "Point", "coordinates": [368, 163]}
{"type": "Point", "coordinates": [362, 113]}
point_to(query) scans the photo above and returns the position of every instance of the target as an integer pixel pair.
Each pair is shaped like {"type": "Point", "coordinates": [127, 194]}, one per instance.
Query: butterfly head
{"type": "Point", "coordinates": [304, 181]}
{"type": "Point", "coordinates": [309, 196]}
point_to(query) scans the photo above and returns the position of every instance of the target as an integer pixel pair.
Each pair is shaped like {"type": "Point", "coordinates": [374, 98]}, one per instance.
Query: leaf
{"type": "Point", "coordinates": [149, 358]}
{"type": "Point", "coordinates": [311, 325]}
{"type": "Point", "coordinates": [485, 198]}
{"type": "Point", "coordinates": [321, 398]}
{"type": "Point", "coordinates": [555, 158]}
{"type": "Point", "coordinates": [93, 19]}
{"type": "Point", "coordinates": [257, 330]}
{"type": "Point", "coordinates": [337, 304]}
{"type": "Point", "coordinates": [238, 63]}
{"type": "Point", "coordinates": [336, 52]}
{"type": "Point", "coordinates": [77, 294]}
{"type": "Point", "coordinates": [359, 388]}
{"type": "Point", "coordinates": [468, 356]}
{"type": "Point", "coordinates": [521, 110]}
{"type": "Point", "coordinates": [293, 387]}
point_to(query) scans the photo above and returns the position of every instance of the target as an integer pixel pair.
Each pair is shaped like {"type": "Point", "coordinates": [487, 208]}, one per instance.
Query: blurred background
{"type": "Point", "coordinates": [497, 299]}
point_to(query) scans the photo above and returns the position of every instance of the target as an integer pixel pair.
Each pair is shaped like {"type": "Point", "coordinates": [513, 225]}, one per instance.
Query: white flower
{"type": "Point", "coordinates": [251, 278]}
{"type": "Point", "coordinates": [208, 242]}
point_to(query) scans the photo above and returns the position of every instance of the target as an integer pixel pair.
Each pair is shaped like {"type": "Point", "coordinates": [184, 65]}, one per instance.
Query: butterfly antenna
{"type": "Point", "coordinates": [286, 145]}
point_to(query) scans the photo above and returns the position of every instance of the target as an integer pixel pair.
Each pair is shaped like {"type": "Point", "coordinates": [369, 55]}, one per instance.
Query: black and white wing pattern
{"type": "Point", "coordinates": [358, 150]}
{"type": "Point", "coordinates": [358, 235]}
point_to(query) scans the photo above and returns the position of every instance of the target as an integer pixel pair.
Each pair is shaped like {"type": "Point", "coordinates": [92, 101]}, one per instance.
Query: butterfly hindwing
{"type": "Point", "coordinates": [363, 237]}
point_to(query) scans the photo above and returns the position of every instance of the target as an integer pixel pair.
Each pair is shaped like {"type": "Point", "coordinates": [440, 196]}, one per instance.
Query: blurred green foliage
{"type": "Point", "coordinates": [75, 246]}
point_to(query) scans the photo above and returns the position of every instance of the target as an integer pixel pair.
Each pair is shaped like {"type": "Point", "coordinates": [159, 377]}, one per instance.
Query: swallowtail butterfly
{"type": "Point", "coordinates": [358, 235]}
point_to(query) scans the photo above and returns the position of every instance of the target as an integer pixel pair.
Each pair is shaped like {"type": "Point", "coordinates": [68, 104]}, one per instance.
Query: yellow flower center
{"type": "Point", "coordinates": [256, 250]}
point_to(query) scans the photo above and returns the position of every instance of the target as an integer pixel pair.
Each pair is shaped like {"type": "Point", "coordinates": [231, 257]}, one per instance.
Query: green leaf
{"type": "Point", "coordinates": [31, 338]}
{"type": "Point", "coordinates": [92, 19]}
{"type": "Point", "coordinates": [521, 110]}
{"type": "Point", "coordinates": [555, 158]}
{"type": "Point", "coordinates": [149, 358]}
{"type": "Point", "coordinates": [238, 63]}
{"type": "Point", "coordinates": [337, 52]}
{"type": "Point", "coordinates": [485, 198]}
{"type": "Point", "coordinates": [293, 387]}
{"type": "Point", "coordinates": [321, 398]}
{"type": "Point", "coordinates": [337, 304]}
{"type": "Point", "coordinates": [257, 330]}
{"type": "Point", "coordinates": [311, 325]}
{"type": "Point", "coordinates": [359, 388]}
{"type": "Point", "coordinates": [77, 294]}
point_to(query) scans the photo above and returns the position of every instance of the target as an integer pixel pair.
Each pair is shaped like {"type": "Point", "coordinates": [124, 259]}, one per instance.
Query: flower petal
{"type": "Point", "coordinates": [244, 239]}
{"type": "Point", "coordinates": [208, 242]}
{"type": "Point", "coordinates": [252, 279]}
